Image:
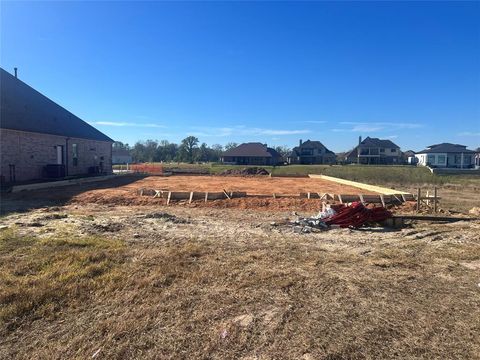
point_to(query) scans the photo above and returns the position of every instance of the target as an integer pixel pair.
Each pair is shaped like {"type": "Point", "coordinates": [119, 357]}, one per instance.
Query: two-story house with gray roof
{"type": "Point", "coordinates": [311, 152]}
{"type": "Point", "coordinates": [40, 139]}
{"type": "Point", "coordinates": [374, 151]}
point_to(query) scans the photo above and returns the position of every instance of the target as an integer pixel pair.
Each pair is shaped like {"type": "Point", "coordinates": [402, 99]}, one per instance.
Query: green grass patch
{"type": "Point", "coordinates": [40, 276]}
{"type": "Point", "coordinates": [380, 175]}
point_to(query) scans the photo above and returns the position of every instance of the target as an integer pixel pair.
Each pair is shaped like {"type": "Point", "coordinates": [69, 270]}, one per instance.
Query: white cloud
{"type": "Point", "coordinates": [124, 123]}
{"type": "Point", "coordinates": [391, 124]}
{"type": "Point", "coordinates": [469, 133]}
{"type": "Point", "coordinates": [366, 128]}
{"type": "Point", "coordinates": [358, 126]}
{"type": "Point", "coordinates": [281, 132]}
{"type": "Point", "coordinates": [391, 137]}
{"type": "Point", "coordinates": [242, 130]}
{"type": "Point", "coordinates": [315, 121]}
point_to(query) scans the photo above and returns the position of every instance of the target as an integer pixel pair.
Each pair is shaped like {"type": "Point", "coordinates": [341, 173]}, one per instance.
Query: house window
{"type": "Point", "coordinates": [74, 154]}
{"type": "Point", "coordinates": [307, 152]}
{"type": "Point", "coordinates": [382, 150]}
{"type": "Point", "coordinates": [441, 159]}
{"type": "Point", "coordinates": [430, 159]}
{"type": "Point", "coordinates": [393, 150]}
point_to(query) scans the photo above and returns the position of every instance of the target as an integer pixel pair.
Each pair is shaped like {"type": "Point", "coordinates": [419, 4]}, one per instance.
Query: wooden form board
{"type": "Point", "coordinates": [224, 195]}
{"type": "Point", "coordinates": [377, 189]}
{"type": "Point", "coordinates": [191, 195]}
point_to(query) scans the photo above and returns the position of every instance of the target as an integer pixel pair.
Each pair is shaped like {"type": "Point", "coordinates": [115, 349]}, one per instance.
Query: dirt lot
{"type": "Point", "coordinates": [252, 185]}
{"type": "Point", "coordinates": [124, 191]}
{"type": "Point", "coordinates": [95, 271]}
{"type": "Point", "coordinates": [103, 282]}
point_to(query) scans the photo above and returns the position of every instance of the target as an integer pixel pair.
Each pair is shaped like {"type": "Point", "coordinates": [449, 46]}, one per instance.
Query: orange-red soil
{"type": "Point", "coordinates": [127, 194]}
{"type": "Point", "coordinates": [252, 185]}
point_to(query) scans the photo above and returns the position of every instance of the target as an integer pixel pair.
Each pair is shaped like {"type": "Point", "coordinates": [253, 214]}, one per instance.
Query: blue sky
{"type": "Point", "coordinates": [256, 71]}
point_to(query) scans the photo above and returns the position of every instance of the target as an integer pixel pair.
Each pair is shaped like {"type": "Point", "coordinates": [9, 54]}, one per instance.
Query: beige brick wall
{"type": "Point", "coordinates": [30, 152]}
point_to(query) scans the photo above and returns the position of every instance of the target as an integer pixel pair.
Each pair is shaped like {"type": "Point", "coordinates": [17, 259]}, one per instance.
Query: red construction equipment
{"type": "Point", "coordinates": [356, 215]}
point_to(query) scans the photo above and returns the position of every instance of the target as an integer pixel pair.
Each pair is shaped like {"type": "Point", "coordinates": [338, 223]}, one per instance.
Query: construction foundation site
{"type": "Point", "coordinates": [239, 267]}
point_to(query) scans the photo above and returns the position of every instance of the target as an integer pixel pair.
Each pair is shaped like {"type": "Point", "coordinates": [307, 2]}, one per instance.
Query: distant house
{"type": "Point", "coordinates": [374, 151]}
{"type": "Point", "coordinates": [121, 156]}
{"type": "Point", "coordinates": [409, 157]}
{"type": "Point", "coordinates": [311, 152]}
{"type": "Point", "coordinates": [252, 153]}
{"type": "Point", "coordinates": [39, 138]}
{"type": "Point", "coordinates": [446, 155]}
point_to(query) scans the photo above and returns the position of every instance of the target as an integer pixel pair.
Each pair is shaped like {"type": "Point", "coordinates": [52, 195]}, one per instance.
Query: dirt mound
{"type": "Point", "coordinates": [250, 171]}
{"type": "Point", "coordinates": [166, 217]}
{"type": "Point", "coordinates": [106, 227]}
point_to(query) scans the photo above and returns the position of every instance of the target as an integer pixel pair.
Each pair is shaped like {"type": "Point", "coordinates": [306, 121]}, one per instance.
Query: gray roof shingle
{"type": "Point", "coordinates": [252, 149]}
{"type": "Point", "coordinates": [376, 142]}
{"type": "Point", "coordinates": [310, 144]}
{"type": "Point", "coordinates": [25, 109]}
{"type": "Point", "coordinates": [446, 148]}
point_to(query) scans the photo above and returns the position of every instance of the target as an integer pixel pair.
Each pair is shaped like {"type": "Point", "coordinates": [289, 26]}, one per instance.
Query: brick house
{"type": "Point", "coordinates": [40, 139]}
{"type": "Point", "coordinates": [374, 151]}
{"type": "Point", "coordinates": [252, 153]}
{"type": "Point", "coordinates": [311, 152]}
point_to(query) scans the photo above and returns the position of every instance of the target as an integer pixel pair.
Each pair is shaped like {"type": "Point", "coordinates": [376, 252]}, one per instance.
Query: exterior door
{"type": "Point", "coordinates": [59, 154]}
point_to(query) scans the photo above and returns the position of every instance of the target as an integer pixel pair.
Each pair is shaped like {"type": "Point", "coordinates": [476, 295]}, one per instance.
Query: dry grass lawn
{"type": "Point", "coordinates": [83, 282]}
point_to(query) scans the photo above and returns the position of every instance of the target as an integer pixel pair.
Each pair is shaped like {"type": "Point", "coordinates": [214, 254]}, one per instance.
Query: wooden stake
{"type": "Point", "coordinates": [418, 199]}
{"type": "Point", "coordinates": [228, 197]}
{"type": "Point", "coordinates": [382, 200]}
{"type": "Point", "coordinates": [435, 199]}
{"type": "Point", "coordinates": [361, 198]}
{"type": "Point", "coordinates": [169, 195]}
{"type": "Point", "coordinates": [206, 196]}
{"type": "Point", "coordinates": [340, 198]}
{"type": "Point", "coordinates": [191, 197]}
{"type": "Point", "coordinates": [308, 195]}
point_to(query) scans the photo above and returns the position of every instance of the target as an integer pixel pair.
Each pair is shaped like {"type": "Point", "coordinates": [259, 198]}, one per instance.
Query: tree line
{"type": "Point", "coordinates": [189, 150]}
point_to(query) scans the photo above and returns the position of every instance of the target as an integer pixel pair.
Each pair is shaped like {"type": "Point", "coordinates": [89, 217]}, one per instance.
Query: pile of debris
{"type": "Point", "coordinates": [354, 215]}
{"type": "Point", "coordinates": [250, 171]}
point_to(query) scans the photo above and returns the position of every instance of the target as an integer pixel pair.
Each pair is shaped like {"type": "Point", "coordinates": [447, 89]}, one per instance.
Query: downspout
{"type": "Point", "coordinates": [66, 156]}
{"type": "Point", "coordinates": [111, 159]}
{"type": "Point", "coordinates": [358, 149]}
